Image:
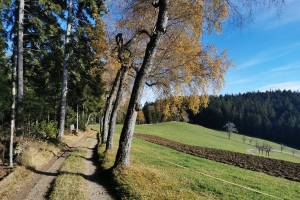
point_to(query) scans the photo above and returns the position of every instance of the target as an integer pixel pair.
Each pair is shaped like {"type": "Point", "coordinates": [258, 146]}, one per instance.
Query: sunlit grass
{"type": "Point", "coordinates": [153, 176]}
{"type": "Point", "coordinates": [200, 136]}
{"type": "Point", "coordinates": [70, 184]}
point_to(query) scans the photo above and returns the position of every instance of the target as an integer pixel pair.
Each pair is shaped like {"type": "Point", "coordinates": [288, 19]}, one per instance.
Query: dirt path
{"type": "Point", "coordinates": [95, 189]}
{"type": "Point", "coordinates": [37, 185]}
{"type": "Point", "coordinates": [45, 178]}
{"type": "Point", "coordinates": [41, 188]}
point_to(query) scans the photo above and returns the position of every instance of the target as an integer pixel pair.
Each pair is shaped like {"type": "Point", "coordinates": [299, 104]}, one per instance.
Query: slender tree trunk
{"type": "Point", "coordinates": [108, 107]}
{"type": "Point", "coordinates": [100, 129]}
{"type": "Point", "coordinates": [113, 117]}
{"type": "Point", "coordinates": [64, 90]}
{"type": "Point", "coordinates": [20, 70]}
{"type": "Point", "coordinates": [13, 112]}
{"type": "Point", "coordinates": [122, 157]}
{"type": "Point", "coordinates": [77, 120]}
{"type": "Point", "coordinates": [88, 120]}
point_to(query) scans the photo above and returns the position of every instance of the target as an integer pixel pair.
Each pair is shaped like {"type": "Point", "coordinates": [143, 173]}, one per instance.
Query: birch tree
{"type": "Point", "coordinates": [20, 70]}
{"type": "Point", "coordinates": [13, 110]}
{"type": "Point", "coordinates": [122, 157]}
{"type": "Point", "coordinates": [64, 89]}
{"type": "Point", "coordinates": [125, 59]}
{"type": "Point", "coordinates": [188, 19]}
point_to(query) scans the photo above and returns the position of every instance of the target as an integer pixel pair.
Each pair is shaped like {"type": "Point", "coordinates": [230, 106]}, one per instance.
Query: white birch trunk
{"type": "Point", "coordinates": [13, 112]}
{"type": "Point", "coordinates": [20, 70]}
{"type": "Point", "coordinates": [77, 120]}
{"type": "Point", "coordinates": [64, 90]}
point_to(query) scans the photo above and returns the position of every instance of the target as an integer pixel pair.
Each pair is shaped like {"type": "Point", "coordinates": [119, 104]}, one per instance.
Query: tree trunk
{"type": "Point", "coordinates": [13, 112]}
{"type": "Point", "coordinates": [77, 120]}
{"type": "Point", "coordinates": [113, 117]}
{"type": "Point", "coordinates": [88, 120]}
{"type": "Point", "coordinates": [64, 90]}
{"type": "Point", "coordinates": [122, 157]}
{"type": "Point", "coordinates": [20, 70]}
{"type": "Point", "coordinates": [108, 107]}
{"type": "Point", "coordinates": [100, 129]}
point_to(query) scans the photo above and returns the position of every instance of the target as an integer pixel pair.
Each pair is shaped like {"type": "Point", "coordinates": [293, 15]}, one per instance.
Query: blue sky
{"type": "Point", "coordinates": [266, 51]}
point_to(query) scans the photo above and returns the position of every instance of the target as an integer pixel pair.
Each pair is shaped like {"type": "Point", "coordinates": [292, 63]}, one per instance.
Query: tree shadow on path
{"type": "Point", "coordinates": [102, 177]}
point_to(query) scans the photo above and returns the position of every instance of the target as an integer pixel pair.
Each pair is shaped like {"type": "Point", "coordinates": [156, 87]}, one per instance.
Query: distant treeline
{"type": "Point", "coordinates": [269, 115]}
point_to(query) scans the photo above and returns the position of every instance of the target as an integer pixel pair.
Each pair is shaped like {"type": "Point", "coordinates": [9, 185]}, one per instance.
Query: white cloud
{"type": "Point", "coordinates": [277, 17]}
{"type": "Point", "coordinates": [290, 85]}
{"type": "Point", "coordinates": [268, 55]}
{"type": "Point", "coordinates": [287, 67]}
{"type": "Point", "coordinates": [260, 59]}
{"type": "Point", "coordinates": [240, 81]}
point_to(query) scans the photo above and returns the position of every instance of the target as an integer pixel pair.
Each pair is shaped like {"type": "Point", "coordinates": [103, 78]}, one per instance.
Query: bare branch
{"type": "Point", "coordinates": [151, 84]}
{"type": "Point", "coordinates": [135, 36]}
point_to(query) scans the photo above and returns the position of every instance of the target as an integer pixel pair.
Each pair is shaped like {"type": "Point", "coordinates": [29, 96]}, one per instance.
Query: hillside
{"type": "Point", "coordinates": [201, 136]}
{"type": "Point", "coordinates": [177, 175]}
{"type": "Point", "coordinates": [271, 115]}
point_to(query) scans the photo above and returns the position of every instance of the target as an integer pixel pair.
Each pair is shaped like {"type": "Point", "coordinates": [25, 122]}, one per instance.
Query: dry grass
{"type": "Point", "coordinates": [70, 184]}
{"type": "Point", "coordinates": [141, 181]}
{"type": "Point", "coordinates": [71, 139]}
{"type": "Point", "coordinates": [10, 184]}
{"type": "Point", "coordinates": [144, 182]}
{"type": "Point", "coordinates": [37, 154]}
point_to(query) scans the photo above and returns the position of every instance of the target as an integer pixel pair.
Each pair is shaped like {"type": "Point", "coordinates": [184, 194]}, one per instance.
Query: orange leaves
{"type": "Point", "coordinates": [110, 71]}
{"type": "Point", "coordinates": [182, 65]}
{"type": "Point", "coordinates": [215, 11]}
{"type": "Point", "coordinates": [98, 38]}
{"type": "Point", "coordinates": [140, 117]}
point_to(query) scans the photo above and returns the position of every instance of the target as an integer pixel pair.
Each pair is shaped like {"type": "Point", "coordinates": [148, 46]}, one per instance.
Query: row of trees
{"type": "Point", "coordinates": [160, 47]}
{"type": "Point", "coordinates": [273, 115]}
{"type": "Point", "coordinates": [49, 53]}
{"type": "Point", "coordinates": [270, 115]}
{"type": "Point", "coordinates": [56, 51]}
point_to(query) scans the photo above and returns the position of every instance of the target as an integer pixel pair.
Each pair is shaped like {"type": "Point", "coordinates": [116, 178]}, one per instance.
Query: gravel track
{"type": "Point", "coordinates": [95, 189]}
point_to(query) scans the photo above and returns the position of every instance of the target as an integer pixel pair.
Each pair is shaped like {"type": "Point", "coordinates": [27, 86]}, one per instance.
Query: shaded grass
{"type": "Point", "coordinates": [151, 176]}
{"type": "Point", "coordinates": [70, 183]}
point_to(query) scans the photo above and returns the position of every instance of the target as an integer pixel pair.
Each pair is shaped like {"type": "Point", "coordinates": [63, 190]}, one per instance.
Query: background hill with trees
{"type": "Point", "coordinates": [273, 115]}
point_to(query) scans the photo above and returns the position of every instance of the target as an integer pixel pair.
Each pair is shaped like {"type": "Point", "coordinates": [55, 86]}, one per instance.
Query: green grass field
{"type": "Point", "coordinates": [201, 136]}
{"type": "Point", "coordinates": [158, 172]}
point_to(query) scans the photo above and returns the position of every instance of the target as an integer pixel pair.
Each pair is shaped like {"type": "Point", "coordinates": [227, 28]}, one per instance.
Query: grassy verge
{"type": "Point", "coordinates": [158, 172]}
{"type": "Point", "coordinates": [70, 183]}
{"type": "Point", "coordinates": [36, 154]}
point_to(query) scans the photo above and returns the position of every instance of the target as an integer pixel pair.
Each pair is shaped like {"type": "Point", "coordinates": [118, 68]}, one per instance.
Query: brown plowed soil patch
{"type": "Point", "coordinates": [273, 167]}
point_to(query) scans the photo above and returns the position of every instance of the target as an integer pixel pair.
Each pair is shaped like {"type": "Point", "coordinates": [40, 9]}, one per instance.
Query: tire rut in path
{"type": "Point", "coordinates": [39, 185]}
{"type": "Point", "coordinates": [95, 189]}
{"type": "Point", "coordinates": [42, 187]}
